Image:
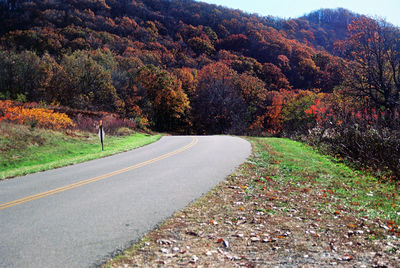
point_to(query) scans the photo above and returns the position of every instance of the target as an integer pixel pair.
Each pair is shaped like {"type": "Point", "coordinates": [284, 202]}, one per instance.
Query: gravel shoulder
{"type": "Point", "coordinates": [269, 213]}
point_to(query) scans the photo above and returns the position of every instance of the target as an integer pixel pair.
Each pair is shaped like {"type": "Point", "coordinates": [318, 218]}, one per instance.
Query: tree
{"type": "Point", "coordinates": [188, 78]}
{"type": "Point", "coordinates": [273, 117]}
{"type": "Point", "coordinates": [304, 70]}
{"type": "Point", "coordinates": [50, 89]}
{"type": "Point", "coordinates": [21, 74]}
{"type": "Point", "coordinates": [218, 106]}
{"type": "Point", "coordinates": [167, 104]}
{"type": "Point", "coordinates": [200, 45]}
{"type": "Point", "coordinates": [254, 94]}
{"type": "Point", "coordinates": [274, 78]}
{"type": "Point", "coordinates": [374, 70]}
{"type": "Point", "coordinates": [237, 42]}
{"type": "Point", "coordinates": [294, 116]}
{"type": "Point", "coordinates": [330, 73]}
{"type": "Point", "coordinates": [86, 84]}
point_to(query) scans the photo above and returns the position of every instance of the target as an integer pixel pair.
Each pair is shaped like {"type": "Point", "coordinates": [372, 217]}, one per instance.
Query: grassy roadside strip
{"type": "Point", "coordinates": [23, 151]}
{"type": "Point", "coordinates": [286, 206]}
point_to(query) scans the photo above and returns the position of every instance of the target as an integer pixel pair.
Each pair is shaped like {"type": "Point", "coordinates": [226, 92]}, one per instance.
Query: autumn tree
{"type": "Point", "coordinates": [188, 78]}
{"type": "Point", "coordinates": [276, 102]}
{"type": "Point", "coordinates": [123, 78]}
{"type": "Point", "coordinates": [247, 65]}
{"type": "Point", "coordinates": [294, 115]}
{"type": "Point", "coordinates": [50, 90]}
{"type": "Point", "coordinates": [86, 84]}
{"type": "Point", "coordinates": [374, 70]}
{"type": "Point", "coordinates": [200, 45]}
{"type": "Point", "coordinates": [218, 105]}
{"type": "Point", "coordinates": [304, 69]}
{"type": "Point", "coordinates": [236, 42]}
{"type": "Point", "coordinates": [21, 74]}
{"type": "Point", "coordinates": [330, 71]}
{"type": "Point", "coordinates": [254, 93]}
{"type": "Point", "coordinates": [166, 102]}
{"type": "Point", "coordinates": [273, 77]}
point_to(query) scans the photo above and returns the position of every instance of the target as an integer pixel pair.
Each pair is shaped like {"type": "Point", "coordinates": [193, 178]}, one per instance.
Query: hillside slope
{"type": "Point", "coordinates": [101, 55]}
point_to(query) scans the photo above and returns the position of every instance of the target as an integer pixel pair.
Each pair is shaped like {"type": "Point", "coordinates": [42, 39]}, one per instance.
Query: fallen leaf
{"type": "Point", "coordinates": [194, 259]}
{"type": "Point", "coordinates": [164, 242]}
{"type": "Point", "coordinates": [225, 243]}
{"type": "Point", "coordinates": [269, 240]}
{"type": "Point", "coordinates": [164, 250]}
{"type": "Point", "coordinates": [192, 233]}
{"type": "Point", "coordinates": [347, 258]}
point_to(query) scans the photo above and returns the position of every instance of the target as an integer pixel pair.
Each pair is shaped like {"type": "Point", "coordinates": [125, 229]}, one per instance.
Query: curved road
{"type": "Point", "coordinates": [79, 215]}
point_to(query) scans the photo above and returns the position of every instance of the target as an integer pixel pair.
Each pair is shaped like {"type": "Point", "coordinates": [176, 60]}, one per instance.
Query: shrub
{"type": "Point", "coordinates": [85, 123]}
{"type": "Point", "coordinates": [112, 123]}
{"type": "Point", "coordinates": [357, 134]}
{"type": "Point", "coordinates": [124, 131]}
{"type": "Point", "coordinates": [375, 149]}
{"type": "Point", "coordinates": [89, 120]}
{"type": "Point", "coordinates": [34, 116]}
{"type": "Point", "coordinates": [295, 118]}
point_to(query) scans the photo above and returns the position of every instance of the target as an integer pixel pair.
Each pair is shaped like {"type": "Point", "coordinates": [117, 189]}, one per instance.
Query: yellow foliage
{"type": "Point", "coordinates": [41, 117]}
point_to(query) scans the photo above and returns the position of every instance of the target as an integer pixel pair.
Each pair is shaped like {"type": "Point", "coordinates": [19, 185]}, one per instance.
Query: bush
{"type": "Point", "coordinates": [40, 117]}
{"type": "Point", "coordinates": [363, 136]}
{"type": "Point", "coordinates": [86, 123]}
{"type": "Point", "coordinates": [124, 131]}
{"type": "Point", "coordinates": [112, 124]}
{"type": "Point", "coordinates": [89, 120]}
{"type": "Point", "coordinates": [368, 147]}
{"type": "Point", "coordinates": [347, 128]}
{"type": "Point", "coordinates": [33, 114]}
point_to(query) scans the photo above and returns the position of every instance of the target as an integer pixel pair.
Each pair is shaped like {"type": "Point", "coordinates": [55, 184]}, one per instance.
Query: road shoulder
{"type": "Point", "coordinates": [270, 214]}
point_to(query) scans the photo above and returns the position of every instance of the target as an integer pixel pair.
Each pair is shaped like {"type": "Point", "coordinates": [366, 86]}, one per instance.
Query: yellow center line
{"type": "Point", "coordinates": [98, 178]}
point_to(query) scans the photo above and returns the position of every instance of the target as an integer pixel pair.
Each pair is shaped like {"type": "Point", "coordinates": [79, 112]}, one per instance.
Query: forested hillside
{"type": "Point", "coordinates": [190, 67]}
{"type": "Point", "coordinates": [180, 66]}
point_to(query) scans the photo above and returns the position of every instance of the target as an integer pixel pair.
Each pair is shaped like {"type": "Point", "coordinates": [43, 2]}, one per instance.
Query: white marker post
{"type": "Point", "coordinates": [101, 134]}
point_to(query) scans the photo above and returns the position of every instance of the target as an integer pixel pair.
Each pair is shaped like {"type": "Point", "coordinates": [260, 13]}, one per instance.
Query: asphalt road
{"type": "Point", "coordinates": [79, 216]}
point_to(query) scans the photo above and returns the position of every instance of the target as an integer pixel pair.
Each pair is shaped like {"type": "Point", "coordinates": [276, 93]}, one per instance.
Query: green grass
{"type": "Point", "coordinates": [24, 151]}
{"type": "Point", "coordinates": [297, 162]}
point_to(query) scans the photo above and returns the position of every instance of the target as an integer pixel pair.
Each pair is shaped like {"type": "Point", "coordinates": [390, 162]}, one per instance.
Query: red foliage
{"type": "Point", "coordinates": [235, 42]}
{"type": "Point", "coordinates": [318, 110]}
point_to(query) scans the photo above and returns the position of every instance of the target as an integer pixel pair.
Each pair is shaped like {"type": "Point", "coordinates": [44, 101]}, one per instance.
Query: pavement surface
{"type": "Point", "coordinates": [81, 215]}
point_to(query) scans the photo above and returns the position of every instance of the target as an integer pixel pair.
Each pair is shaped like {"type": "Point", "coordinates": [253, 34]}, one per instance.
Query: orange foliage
{"type": "Point", "coordinates": [41, 117]}
{"type": "Point", "coordinates": [279, 100]}
{"type": "Point", "coordinates": [271, 120]}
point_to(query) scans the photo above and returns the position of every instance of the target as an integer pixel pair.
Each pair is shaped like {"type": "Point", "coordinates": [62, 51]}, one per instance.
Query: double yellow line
{"type": "Point", "coordinates": [98, 178]}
